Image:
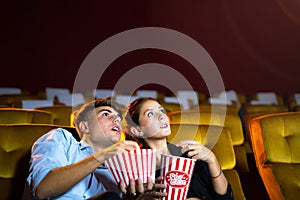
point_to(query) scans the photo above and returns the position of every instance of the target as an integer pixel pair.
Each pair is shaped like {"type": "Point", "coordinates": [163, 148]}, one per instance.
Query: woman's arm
{"type": "Point", "coordinates": [197, 151]}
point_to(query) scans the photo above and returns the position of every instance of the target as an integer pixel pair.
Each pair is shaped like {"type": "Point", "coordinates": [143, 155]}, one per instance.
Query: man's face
{"type": "Point", "coordinates": [104, 126]}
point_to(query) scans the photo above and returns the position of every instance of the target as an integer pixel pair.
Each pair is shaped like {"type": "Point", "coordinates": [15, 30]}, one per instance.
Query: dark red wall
{"type": "Point", "coordinates": [255, 44]}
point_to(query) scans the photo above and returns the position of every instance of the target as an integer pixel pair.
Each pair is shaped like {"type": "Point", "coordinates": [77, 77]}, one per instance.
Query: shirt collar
{"type": "Point", "coordinates": [84, 145]}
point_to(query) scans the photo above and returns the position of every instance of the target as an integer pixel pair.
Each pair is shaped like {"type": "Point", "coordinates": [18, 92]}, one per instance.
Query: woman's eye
{"type": "Point", "coordinates": [150, 114]}
{"type": "Point", "coordinates": [163, 111]}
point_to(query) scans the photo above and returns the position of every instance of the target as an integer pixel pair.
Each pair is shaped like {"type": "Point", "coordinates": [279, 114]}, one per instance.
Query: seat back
{"type": "Point", "coordinates": [275, 140]}
{"type": "Point", "coordinates": [15, 100]}
{"type": "Point", "coordinates": [276, 137]}
{"type": "Point", "coordinates": [171, 107]}
{"type": "Point", "coordinates": [61, 114]}
{"type": "Point", "coordinates": [219, 140]}
{"type": "Point", "coordinates": [249, 111]}
{"type": "Point", "coordinates": [207, 107]}
{"type": "Point", "coordinates": [229, 120]}
{"type": "Point", "coordinates": [22, 116]}
{"type": "Point", "coordinates": [216, 138]}
{"type": "Point", "coordinates": [16, 141]}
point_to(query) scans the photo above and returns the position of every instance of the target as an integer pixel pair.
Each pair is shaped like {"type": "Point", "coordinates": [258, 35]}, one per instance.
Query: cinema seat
{"type": "Point", "coordinates": [171, 107]}
{"type": "Point", "coordinates": [275, 140]}
{"type": "Point", "coordinates": [208, 107]}
{"type": "Point", "coordinates": [61, 114]}
{"type": "Point", "coordinates": [15, 145]}
{"type": "Point", "coordinates": [22, 116]}
{"type": "Point", "coordinates": [249, 111]}
{"type": "Point", "coordinates": [229, 120]}
{"type": "Point", "coordinates": [15, 100]}
{"type": "Point", "coordinates": [293, 102]}
{"type": "Point", "coordinates": [219, 140]}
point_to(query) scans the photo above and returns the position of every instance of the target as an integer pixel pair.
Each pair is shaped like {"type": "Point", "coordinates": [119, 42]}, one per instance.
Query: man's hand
{"type": "Point", "coordinates": [115, 149]}
{"type": "Point", "coordinates": [139, 191]}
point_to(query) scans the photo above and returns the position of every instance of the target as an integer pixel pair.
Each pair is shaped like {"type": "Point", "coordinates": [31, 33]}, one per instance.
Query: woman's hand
{"type": "Point", "coordinates": [195, 150]}
{"type": "Point", "coordinates": [140, 191]}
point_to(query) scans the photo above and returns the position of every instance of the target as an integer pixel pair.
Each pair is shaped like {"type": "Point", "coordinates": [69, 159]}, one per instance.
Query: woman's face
{"type": "Point", "coordinates": [153, 120]}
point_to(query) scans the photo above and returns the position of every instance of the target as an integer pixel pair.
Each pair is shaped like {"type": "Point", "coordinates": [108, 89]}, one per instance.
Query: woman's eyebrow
{"type": "Point", "coordinates": [149, 109]}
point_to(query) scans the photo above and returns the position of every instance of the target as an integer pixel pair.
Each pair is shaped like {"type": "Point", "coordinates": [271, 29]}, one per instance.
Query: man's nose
{"type": "Point", "coordinates": [116, 119]}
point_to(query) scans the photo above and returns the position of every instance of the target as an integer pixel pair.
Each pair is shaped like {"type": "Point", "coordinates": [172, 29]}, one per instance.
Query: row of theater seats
{"type": "Point", "coordinates": [233, 121]}
{"type": "Point", "coordinates": [19, 133]}
{"type": "Point", "coordinates": [191, 98]}
{"type": "Point", "coordinates": [15, 145]}
{"type": "Point", "coordinates": [19, 128]}
{"type": "Point", "coordinates": [275, 142]}
{"type": "Point", "coordinates": [35, 118]}
{"type": "Point", "coordinates": [33, 122]}
{"type": "Point", "coordinates": [220, 141]}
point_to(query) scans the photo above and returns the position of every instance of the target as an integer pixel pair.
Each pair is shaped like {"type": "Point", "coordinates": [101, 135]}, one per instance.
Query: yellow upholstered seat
{"type": "Point", "coordinates": [22, 116]}
{"type": "Point", "coordinates": [293, 105]}
{"type": "Point", "coordinates": [15, 145]}
{"type": "Point", "coordinates": [277, 97]}
{"type": "Point", "coordinates": [61, 114]}
{"type": "Point", "coordinates": [171, 107]}
{"type": "Point", "coordinates": [249, 111]}
{"type": "Point", "coordinates": [15, 100]}
{"type": "Point", "coordinates": [230, 120]}
{"type": "Point", "coordinates": [207, 107]}
{"type": "Point", "coordinates": [219, 140]}
{"type": "Point", "coordinates": [275, 140]}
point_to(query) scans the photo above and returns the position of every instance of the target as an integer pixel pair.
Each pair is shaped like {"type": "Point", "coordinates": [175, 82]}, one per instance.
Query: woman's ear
{"type": "Point", "coordinates": [136, 131]}
{"type": "Point", "coordinates": [83, 127]}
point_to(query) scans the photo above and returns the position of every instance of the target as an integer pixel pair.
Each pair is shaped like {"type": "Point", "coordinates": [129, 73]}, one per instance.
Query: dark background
{"type": "Point", "coordinates": [255, 44]}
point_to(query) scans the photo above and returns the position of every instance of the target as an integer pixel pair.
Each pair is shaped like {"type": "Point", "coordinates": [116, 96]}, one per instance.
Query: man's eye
{"type": "Point", "coordinates": [105, 114]}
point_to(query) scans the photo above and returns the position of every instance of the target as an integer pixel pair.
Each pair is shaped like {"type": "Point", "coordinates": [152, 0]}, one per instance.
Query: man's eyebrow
{"type": "Point", "coordinates": [107, 110]}
{"type": "Point", "coordinates": [99, 111]}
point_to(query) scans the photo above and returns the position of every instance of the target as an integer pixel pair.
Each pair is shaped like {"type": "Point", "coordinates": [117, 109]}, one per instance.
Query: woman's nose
{"type": "Point", "coordinates": [161, 117]}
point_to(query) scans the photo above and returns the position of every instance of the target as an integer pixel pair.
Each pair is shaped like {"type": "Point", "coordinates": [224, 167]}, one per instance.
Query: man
{"type": "Point", "coordinates": [63, 168]}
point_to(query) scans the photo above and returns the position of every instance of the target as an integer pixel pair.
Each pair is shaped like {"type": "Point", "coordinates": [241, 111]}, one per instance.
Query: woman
{"type": "Point", "coordinates": [148, 123]}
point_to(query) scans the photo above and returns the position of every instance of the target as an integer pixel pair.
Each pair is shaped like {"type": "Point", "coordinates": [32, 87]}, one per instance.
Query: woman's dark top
{"type": "Point", "coordinates": [201, 184]}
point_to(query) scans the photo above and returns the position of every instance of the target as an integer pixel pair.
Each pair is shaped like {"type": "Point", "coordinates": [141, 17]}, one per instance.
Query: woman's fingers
{"type": "Point", "coordinates": [183, 143]}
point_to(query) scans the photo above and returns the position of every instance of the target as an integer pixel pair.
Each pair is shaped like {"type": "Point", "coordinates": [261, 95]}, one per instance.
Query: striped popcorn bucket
{"type": "Point", "coordinates": [139, 163]}
{"type": "Point", "coordinates": [177, 173]}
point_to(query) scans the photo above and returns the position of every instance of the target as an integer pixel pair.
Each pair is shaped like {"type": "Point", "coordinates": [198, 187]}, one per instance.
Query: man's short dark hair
{"type": "Point", "coordinates": [81, 114]}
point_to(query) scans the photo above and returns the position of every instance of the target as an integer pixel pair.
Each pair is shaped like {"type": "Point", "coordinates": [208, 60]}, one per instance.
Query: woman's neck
{"type": "Point", "coordinates": [160, 145]}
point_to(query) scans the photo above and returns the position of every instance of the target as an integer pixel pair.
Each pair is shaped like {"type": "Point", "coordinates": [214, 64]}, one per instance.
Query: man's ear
{"type": "Point", "coordinates": [83, 127]}
{"type": "Point", "coordinates": [136, 131]}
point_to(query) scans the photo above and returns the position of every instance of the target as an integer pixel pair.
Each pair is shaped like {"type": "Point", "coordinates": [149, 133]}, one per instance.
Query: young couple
{"type": "Point", "coordinates": [63, 168]}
